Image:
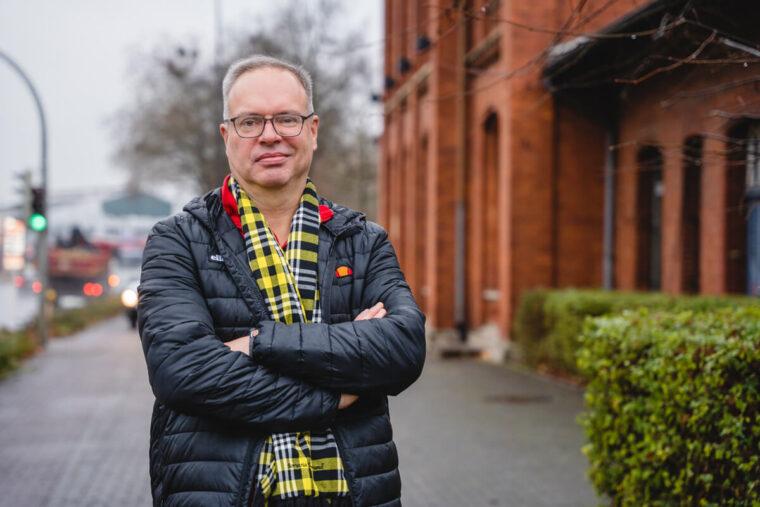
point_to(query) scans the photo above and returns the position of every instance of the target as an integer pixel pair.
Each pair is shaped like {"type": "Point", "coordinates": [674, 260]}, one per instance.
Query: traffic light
{"type": "Point", "coordinates": [37, 219]}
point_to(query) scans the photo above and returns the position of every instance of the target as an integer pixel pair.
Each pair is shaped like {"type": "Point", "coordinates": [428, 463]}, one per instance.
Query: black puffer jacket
{"type": "Point", "coordinates": [214, 406]}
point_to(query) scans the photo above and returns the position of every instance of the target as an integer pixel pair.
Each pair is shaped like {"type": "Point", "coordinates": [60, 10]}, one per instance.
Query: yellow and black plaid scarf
{"type": "Point", "coordinates": [305, 463]}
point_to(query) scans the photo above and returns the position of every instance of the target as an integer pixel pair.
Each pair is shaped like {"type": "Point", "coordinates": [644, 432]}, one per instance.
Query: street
{"type": "Point", "coordinates": [75, 424]}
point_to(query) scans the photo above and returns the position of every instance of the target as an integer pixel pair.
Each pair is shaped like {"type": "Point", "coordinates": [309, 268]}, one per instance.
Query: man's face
{"type": "Point", "coordinates": [270, 160]}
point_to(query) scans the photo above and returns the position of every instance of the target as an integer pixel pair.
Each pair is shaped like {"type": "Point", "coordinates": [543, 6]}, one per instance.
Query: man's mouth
{"type": "Point", "coordinates": [272, 158]}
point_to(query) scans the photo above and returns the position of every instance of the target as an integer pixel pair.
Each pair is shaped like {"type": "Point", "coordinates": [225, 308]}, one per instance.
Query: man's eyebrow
{"type": "Point", "coordinates": [284, 111]}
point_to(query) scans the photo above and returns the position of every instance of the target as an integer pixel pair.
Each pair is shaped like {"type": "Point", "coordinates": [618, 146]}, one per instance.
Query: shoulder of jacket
{"type": "Point", "coordinates": [370, 237]}
{"type": "Point", "coordinates": [172, 223]}
{"type": "Point", "coordinates": [180, 226]}
{"type": "Point", "coordinates": [373, 229]}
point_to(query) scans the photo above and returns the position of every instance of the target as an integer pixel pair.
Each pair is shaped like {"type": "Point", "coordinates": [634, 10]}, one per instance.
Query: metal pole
{"type": "Point", "coordinates": [42, 246]}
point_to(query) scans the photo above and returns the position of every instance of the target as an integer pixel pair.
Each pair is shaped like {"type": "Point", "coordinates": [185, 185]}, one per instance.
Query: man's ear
{"type": "Point", "coordinates": [223, 130]}
{"type": "Point", "coordinates": [314, 129]}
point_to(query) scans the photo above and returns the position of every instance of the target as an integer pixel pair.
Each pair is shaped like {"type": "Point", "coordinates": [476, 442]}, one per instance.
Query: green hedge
{"type": "Point", "coordinates": [14, 346]}
{"type": "Point", "coordinates": [547, 322]}
{"type": "Point", "coordinates": [673, 406]}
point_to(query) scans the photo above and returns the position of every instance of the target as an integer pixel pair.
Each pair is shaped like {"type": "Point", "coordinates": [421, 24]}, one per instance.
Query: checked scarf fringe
{"type": "Point", "coordinates": [298, 464]}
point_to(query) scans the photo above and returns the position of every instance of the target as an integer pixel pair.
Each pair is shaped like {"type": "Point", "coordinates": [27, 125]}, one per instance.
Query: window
{"type": "Point", "coordinates": [421, 205]}
{"type": "Point", "coordinates": [490, 260]}
{"type": "Point", "coordinates": [741, 155]}
{"type": "Point", "coordinates": [649, 209]}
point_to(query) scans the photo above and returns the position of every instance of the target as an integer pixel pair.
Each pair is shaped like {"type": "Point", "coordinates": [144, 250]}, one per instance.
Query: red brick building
{"type": "Point", "coordinates": [522, 148]}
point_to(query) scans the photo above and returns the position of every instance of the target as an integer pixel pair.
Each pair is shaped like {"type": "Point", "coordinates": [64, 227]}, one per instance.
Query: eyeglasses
{"type": "Point", "coordinates": [252, 125]}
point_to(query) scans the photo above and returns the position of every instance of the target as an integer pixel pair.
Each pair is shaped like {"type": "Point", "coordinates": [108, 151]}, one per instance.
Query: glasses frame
{"type": "Point", "coordinates": [270, 118]}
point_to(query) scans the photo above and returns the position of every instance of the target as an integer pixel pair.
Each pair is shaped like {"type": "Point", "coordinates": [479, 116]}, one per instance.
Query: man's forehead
{"type": "Point", "coordinates": [277, 90]}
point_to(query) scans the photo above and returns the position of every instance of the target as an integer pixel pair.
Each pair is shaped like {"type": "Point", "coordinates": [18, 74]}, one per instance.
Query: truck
{"type": "Point", "coordinates": [79, 267]}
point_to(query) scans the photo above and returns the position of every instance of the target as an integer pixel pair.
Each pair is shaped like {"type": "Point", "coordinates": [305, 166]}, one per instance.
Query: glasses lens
{"type": "Point", "coordinates": [249, 126]}
{"type": "Point", "coordinates": [288, 124]}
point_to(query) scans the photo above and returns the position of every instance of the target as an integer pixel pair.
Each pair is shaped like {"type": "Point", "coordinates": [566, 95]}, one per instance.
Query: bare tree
{"type": "Point", "coordinates": [170, 128]}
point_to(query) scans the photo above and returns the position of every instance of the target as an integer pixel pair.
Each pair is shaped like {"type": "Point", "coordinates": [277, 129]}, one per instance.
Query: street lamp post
{"type": "Point", "coordinates": [42, 247]}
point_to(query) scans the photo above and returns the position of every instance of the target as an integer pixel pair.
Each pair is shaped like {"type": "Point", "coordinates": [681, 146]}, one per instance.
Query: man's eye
{"type": "Point", "coordinates": [250, 121]}
{"type": "Point", "coordinates": [287, 120]}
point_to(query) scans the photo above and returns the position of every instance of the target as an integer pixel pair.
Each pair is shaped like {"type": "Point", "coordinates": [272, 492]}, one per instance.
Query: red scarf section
{"type": "Point", "coordinates": [231, 207]}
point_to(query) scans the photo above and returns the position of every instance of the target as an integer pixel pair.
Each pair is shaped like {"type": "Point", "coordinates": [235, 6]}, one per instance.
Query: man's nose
{"type": "Point", "coordinates": [269, 134]}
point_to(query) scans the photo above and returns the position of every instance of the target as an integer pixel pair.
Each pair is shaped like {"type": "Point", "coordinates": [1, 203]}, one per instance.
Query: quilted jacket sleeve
{"type": "Point", "coordinates": [379, 355]}
{"type": "Point", "coordinates": [189, 367]}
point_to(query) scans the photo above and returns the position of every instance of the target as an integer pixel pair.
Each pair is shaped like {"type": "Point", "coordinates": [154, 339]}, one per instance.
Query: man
{"type": "Point", "coordinates": [274, 323]}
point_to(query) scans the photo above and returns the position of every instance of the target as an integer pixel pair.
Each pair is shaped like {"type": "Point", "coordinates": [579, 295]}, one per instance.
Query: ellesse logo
{"type": "Point", "coordinates": [342, 271]}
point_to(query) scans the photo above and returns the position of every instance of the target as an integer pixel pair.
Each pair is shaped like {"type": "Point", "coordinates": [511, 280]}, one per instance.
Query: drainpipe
{"type": "Point", "coordinates": [460, 217]}
{"type": "Point", "coordinates": [610, 177]}
{"type": "Point", "coordinates": [554, 282]}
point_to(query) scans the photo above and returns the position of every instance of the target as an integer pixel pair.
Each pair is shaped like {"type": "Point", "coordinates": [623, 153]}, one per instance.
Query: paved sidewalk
{"type": "Point", "coordinates": [75, 425]}
{"type": "Point", "coordinates": [477, 434]}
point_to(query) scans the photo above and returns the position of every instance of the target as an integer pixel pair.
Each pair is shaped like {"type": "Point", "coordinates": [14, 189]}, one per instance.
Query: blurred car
{"type": "Point", "coordinates": [129, 299]}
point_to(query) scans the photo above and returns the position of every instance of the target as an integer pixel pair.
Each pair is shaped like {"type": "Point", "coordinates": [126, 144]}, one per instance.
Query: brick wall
{"type": "Point", "coordinates": [548, 215]}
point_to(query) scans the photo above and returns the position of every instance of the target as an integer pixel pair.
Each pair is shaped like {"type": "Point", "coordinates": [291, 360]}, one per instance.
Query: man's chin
{"type": "Point", "coordinates": [273, 181]}
{"type": "Point", "coordinates": [275, 184]}
{"type": "Point", "coordinates": [272, 178]}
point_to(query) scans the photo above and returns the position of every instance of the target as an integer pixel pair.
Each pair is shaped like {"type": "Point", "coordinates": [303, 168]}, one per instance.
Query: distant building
{"type": "Point", "coordinates": [137, 204]}
{"type": "Point", "coordinates": [509, 142]}
{"type": "Point", "coordinates": [123, 220]}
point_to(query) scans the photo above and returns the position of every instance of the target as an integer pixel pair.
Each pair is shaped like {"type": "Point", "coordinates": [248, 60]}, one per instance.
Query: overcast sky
{"type": "Point", "coordinates": [77, 53]}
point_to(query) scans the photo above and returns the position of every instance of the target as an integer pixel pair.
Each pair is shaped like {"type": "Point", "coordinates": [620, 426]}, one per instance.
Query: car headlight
{"type": "Point", "coordinates": [129, 298]}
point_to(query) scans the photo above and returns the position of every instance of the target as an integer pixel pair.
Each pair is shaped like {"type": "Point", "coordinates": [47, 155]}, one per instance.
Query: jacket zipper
{"type": "Point", "coordinates": [349, 474]}
{"type": "Point", "coordinates": [248, 471]}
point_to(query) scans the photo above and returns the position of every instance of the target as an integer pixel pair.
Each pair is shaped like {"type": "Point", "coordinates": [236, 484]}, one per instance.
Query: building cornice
{"type": "Point", "coordinates": [485, 53]}
{"type": "Point", "coordinates": [408, 87]}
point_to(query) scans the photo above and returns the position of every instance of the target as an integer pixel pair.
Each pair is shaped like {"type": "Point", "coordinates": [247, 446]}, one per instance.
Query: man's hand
{"type": "Point", "coordinates": [346, 400]}
{"type": "Point", "coordinates": [242, 344]}
{"type": "Point", "coordinates": [376, 312]}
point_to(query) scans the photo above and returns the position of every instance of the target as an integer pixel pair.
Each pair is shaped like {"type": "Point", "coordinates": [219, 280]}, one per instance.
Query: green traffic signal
{"type": "Point", "coordinates": [37, 222]}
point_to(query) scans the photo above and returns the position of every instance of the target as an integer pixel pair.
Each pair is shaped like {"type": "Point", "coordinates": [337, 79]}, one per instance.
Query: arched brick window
{"type": "Point", "coordinates": [491, 219]}
{"type": "Point", "coordinates": [649, 218]}
{"type": "Point", "coordinates": [421, 213]}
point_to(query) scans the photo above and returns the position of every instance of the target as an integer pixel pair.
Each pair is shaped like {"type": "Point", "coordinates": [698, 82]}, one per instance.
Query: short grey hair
{"type": "Point", "coordinates": [256, 62]}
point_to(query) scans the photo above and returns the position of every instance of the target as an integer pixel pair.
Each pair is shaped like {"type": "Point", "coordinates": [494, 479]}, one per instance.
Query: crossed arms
{"type": "Point", "coordinates": [294, 374]}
